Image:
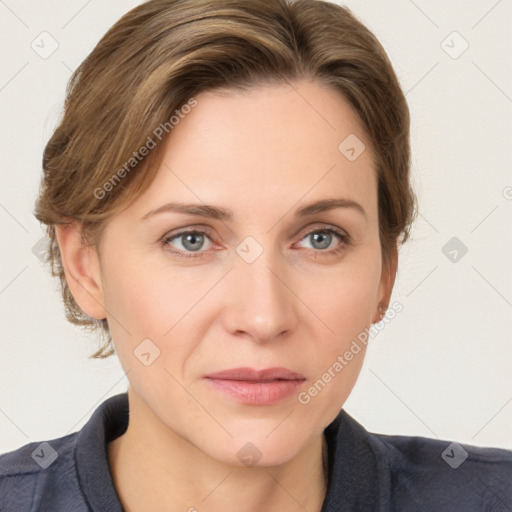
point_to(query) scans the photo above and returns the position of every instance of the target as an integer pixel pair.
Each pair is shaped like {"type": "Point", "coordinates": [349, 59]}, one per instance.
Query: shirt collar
{"type": "Point", "coordinates": [358, 473]}
{"type": "Point", "coordinates": [109, 420]}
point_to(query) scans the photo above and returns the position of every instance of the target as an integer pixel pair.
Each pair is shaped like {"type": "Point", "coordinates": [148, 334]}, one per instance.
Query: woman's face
{"type": "Point", "coordinates": [260, 286]}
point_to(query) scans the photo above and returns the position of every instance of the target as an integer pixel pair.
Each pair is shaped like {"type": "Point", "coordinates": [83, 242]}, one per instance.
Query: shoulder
{"type": "Point", "coordinates": [445, 475]}
{"type": "Point", "coordinates": [40, 476]}
{"type": "Point", "coordinates": [69, 473]}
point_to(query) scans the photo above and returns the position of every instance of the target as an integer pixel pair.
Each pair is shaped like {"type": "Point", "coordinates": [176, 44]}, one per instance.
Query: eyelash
{"type": "Point", "coordinates": [345, 240]}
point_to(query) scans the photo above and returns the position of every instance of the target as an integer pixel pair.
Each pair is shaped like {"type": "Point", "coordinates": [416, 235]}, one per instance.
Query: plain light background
{"type": "Point", "coordinates": [442, 368]}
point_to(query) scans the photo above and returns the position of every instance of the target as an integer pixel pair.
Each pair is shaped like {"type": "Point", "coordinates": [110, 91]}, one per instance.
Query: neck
{"type": "Point", "coordinates": [153, 468]}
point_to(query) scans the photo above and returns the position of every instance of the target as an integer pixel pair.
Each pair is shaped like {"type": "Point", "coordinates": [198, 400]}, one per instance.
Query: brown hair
{"type": "Point", "coordinates": [145, 71]}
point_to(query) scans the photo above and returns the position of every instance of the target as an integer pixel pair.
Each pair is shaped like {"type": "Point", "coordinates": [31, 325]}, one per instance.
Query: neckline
{"type": "Point", "coordinates": [355, 471]}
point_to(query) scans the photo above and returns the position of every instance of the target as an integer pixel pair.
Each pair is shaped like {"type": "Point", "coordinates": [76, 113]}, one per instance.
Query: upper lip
{"type": "Point", "coordinates": [250, 374]}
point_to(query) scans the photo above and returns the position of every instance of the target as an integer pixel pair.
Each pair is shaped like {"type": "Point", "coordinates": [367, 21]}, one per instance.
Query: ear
{"type": "Point", "coordinates": [387, 281]}
{"type": "Point", "coordinates": [82, 269]}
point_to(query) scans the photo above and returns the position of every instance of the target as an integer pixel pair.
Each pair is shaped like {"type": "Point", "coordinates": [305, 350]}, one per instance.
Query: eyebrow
{"type": "Point", "coordinates": [223, 214]}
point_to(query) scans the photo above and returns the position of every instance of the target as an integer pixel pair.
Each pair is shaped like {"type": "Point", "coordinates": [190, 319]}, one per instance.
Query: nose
{"type": "Point", "coordinates": [260, 301]}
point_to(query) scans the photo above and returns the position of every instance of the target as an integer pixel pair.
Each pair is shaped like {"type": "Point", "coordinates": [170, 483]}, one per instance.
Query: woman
{"type": "Point", "coordinates": [225, 196]}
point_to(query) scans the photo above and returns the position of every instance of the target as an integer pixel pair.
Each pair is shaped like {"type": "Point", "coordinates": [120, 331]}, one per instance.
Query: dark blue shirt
{"type": "Point", "coordinates": [367, 472]}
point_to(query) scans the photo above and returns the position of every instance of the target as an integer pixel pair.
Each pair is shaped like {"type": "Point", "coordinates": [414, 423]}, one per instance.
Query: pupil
{"type": "Point", "coordinates": [192, 239]}
{"type": "Point", "coordinates": [322, 237]}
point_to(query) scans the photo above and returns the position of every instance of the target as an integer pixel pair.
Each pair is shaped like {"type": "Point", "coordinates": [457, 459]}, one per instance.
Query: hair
{"type": "Point", "coordinates": [143, 74]}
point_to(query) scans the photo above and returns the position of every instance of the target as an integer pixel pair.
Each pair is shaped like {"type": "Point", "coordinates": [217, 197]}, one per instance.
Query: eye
{"type": "Point", "coordinates": [328, 240]}
{"type": "Point", "coordinates": [187, 241]}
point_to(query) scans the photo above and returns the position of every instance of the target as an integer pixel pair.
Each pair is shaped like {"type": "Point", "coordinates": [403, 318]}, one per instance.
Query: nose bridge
{"type": "Point", "coordinates": [261, 304]}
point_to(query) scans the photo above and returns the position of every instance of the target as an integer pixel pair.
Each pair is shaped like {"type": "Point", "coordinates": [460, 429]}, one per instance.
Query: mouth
{"type": "Point", "coordinates": [256, 387]}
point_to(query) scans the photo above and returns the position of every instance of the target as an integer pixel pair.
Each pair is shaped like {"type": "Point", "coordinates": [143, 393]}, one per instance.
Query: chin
{"type": "Point", "coordinates": [256, 451]}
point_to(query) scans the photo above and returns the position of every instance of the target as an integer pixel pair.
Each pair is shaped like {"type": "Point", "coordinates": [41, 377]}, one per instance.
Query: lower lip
{"type": "Point", "coordinates": [257, 393]}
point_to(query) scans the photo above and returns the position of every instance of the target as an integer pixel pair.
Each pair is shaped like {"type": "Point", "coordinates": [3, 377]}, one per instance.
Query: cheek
{"type": "Point", "coordinates": [145, 298]}
{"type": "Point", "coordinates": [134, 299]}
{"type": "Point", "coordinates": [348, 297]}
{"type": "Point", "coordinates": [161, 304]}
{"type": "Point", "coordinates": [345, 308]}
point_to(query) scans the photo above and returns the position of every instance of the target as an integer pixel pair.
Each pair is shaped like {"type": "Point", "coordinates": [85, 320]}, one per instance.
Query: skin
{"type": "Point", "coordinates": [263, 154]}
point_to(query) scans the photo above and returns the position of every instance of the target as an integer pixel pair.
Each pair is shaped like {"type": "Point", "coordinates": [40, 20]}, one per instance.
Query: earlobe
{"type": "Point", "coordinates": [82, 270]}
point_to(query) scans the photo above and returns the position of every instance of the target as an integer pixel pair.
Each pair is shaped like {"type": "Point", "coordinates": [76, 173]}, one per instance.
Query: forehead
{"type": "Point", "coordinates": [263, 147]}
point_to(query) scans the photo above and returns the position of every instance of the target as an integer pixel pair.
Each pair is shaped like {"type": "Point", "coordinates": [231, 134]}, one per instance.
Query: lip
{"type": "Point", "coordinates": [250, 374]}
{"type": "Point", "coordinates": [256, 387]}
